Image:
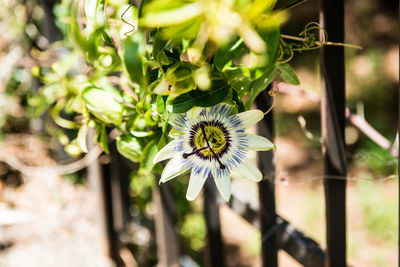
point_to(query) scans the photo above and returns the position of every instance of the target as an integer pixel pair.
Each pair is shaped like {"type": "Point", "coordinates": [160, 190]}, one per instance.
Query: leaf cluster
{"type": "Point", "coordinates": [127, 67]}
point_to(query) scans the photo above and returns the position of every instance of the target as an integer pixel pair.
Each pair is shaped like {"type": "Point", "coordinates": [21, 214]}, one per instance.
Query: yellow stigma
{"type": "Point", "coordinates": [215, 137]}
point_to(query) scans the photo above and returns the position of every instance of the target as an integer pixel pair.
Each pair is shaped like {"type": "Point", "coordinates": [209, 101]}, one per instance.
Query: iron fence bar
{"type": "Point", "coordinates": [398, 157]}
{"type": "Point", "coordinates": [333, 122]}
{"type": "Point", "coordinates": [245, 210]}
{"type": "Point", "coordinates": [48, 26]}
{"type": "Point", "coordinates": [302, 248]}
{"type": "Point", "coordinates": [120, 180]}
{"type": "Point", "coordinates": [266, 188]}
{"type": "Point", "coordinates": [107, 205]}
{"type": "Point", "coordinates": [305, 250]}
{"type": "Point", "coordinates": [215, 250]}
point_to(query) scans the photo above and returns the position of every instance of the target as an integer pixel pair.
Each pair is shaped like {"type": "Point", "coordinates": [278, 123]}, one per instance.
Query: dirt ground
{"type": "Point", "coordinates": [43, 222]}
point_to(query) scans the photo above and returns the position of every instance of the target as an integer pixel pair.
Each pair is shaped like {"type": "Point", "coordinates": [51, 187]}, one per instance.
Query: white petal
{"type": "Point", "coordinates": [250, 117]}
{"type": "Point", "coordinates": [259, 143]}
{"type": "Point", "coordinates": [174, 133]}
{"type": "Point", "coordinates": [249, 170]}
{"type": "Point", "coordinates": [194, 113]}
{"type": "Point", "coordinates": [177, 121]}
{"type": "Point", "coordinates": [165, 153]}
{"type": "Point", "coordinates": [223, 183]}
{"type": "Point", "coordinates": [196, 183]}
{"type": "Point", "coordinates": [175, 167]}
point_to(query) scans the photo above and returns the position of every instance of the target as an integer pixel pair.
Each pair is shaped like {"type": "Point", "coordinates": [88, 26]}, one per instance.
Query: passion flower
{"type": "Point", "coordinates": [211, 142]}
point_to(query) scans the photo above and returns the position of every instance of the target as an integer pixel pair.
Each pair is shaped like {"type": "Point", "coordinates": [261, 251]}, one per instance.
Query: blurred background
{"type": "Point", "coordinates": [53, 220]}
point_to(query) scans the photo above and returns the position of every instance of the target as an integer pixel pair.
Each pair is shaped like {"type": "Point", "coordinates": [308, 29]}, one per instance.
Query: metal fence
{"type": "Point", "coordinates": [276, 232]}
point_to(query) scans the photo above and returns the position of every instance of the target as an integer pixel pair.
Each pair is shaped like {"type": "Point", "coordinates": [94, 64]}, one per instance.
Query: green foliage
{"type": "Point", "coordinates": [124, 70]}
{"type": "Point", "coordinates": [130, 147]}
{"type": "Point", "coordinates": [130, 80]}
{"type": "Point", "coordinates": [184, 102]}
{"type": "Point", "coordinates": [103, 104]}
{"type": "Point", "coordinates": [287, 74]}
{"type": "Point", "coordinates": [134, 58]}
{"type": "Point", "coordinates": [146, 162]}
{"type": "Point", "coordinates": [94, 10]}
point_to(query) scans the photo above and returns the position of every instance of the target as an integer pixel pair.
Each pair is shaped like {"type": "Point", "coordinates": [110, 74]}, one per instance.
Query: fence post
{"type": "Point", "coordinates": [398, 167]}
{"type": "Point", "coordinates": [215, 251]}
{"type": "Point", "coordinates": [120, 182]}
{"type": "Point", "coordinates": [48, 26]}
{"type": "Point", "coordinates": [333, 121]}
{"type": "Point", "coordinates": [266, 187]}
{"type": "Point", "coordinates": [99, 179]}
{"type": "Point", "coordinates": [168, 248]}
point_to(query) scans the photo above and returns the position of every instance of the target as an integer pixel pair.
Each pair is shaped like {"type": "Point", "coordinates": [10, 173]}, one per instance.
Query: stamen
{"type": "Point", "coordinates": [221, 166]}
{"type": "Point", "coordinates": [186, 155]}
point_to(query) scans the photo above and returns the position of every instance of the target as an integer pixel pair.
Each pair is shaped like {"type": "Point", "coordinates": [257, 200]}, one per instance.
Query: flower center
{"type": "Point", "coordinates": [216, 140]}
{"type": "Point", "coordinates": [209, 140]}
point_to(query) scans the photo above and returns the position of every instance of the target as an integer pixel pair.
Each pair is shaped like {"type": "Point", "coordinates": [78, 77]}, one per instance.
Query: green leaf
{"type": "Point", "coordinates": [148, 116]}
{"type": "Point", "coordinates": [129, 147]}
{"type": "Point", "coordinates": [146, 162]}
{"type": "Point", "coordinates": [94, 10]}
{"type": "Point", "coordinates": [219, 90]}
{"type": "Point", "coordinates": [187, 30]}
{"type": "Point", "coordinates": [177, 80]}
{"type": "Point", "coordinates": [257, 7]}
{"type": "Point", "coordinates": [271, 37]}
{"type": "Point", "coordinates": [103, 104]}
{"type": "Point", "coordinates": [228, 53]}
{"type": "Point", "coordinates": [102, 138]}
{"type": "Point", "coordinates": [75, 32]}
{"type": "Point", "coordinates": [160, 104]}
{"type": "Point", "coordinates": [158, 50]}
{"type": "Point", "coordinates": [242, 86]}
{"type": "Point", "coordinates": [172, 16]}
{"type": "Point", "coordinates": [134, 55]}
{"type": "Point", "coordinates": [238, 101]}
{"type": "Point", "coordinates": [288, 74]}
{"type": "Point", "coordinates": [260, 85]}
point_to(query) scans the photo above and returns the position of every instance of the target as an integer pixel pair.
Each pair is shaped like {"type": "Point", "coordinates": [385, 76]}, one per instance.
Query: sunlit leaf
{"type": "Point", "coordinates": [177, 80]}
{"type": "Point", "coordinates": [260, 85]}
{"type": "Point", "coordinates": [160, 104]}
{"type": "Point", "coordinates": [158, 50]}
{"type": "Point", "coordinates": [271, 37]}
{"type": "Point", "coordinates": [134, 53]}
{"type": "Point", "coordinates": [129, 147]}
{"type": "Point", "coordinates": [94, 10]}
{"type": "Point", "coordinates": [228, 53]}
{"type": "Point", "coordinates": [172, 16]}
{"type": "Point", "coordinates": [75, 32]}
{"type": "Point", "coordinates": [104, 139]}
{"type": "Point", "coordinates": [149, 152]}
{"type": "Point", "coordinates": [257, 7]}
{"type": "Point", "coordinates": [288, 74]}
{"type": "Point", "coordinates": [187, 30]}
{"type": "Point", "coordinates": [103, 104]}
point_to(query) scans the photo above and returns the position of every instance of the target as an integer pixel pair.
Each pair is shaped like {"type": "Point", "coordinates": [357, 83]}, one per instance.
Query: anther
{"type": "Point", "coordinates": [186, 155]}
